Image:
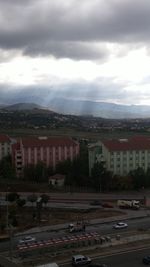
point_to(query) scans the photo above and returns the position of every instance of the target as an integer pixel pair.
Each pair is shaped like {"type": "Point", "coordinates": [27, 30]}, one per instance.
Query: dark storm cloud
{"type": "Point", "coordinates": [76, 50]}
{"type": "Point", "coordinates": [71, 28]}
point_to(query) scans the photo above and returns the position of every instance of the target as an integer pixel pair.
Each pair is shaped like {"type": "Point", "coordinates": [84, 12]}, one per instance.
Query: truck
{"type": "Point", "coordinates": [128, 204]}
{"type": "Point", "coordinates": [78, 227]}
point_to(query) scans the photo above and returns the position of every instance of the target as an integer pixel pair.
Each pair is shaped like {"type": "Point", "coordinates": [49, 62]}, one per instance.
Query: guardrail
{"type": "Point", "coordinates": [65, 242]}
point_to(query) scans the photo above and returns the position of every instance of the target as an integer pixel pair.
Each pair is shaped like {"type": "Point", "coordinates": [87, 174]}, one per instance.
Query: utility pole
{"type": "Point", "coordinates": [10, 242]}
{"type": "Point", "coordinates": [8, 226]}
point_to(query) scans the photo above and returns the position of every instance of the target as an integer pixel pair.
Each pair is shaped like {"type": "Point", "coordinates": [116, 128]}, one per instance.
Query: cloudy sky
{"type": "Point", "coordinates": [82, 49]}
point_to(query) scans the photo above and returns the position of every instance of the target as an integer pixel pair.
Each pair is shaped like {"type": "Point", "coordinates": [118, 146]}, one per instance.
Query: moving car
{"type": "Point", "coordinates": [80, 260]}
{"type": "Point", "coordinates": [27, 239]}
{"type": "Point", "coordinates": [146, 260]}
{"type": "Point", "coordinates": [120, 225]}
{"type": "Point", "coordinates": [76, 227]}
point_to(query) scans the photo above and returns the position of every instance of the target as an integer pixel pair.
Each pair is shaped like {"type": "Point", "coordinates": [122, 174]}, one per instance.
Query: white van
{"type": "Point", "coordinates": [80, 260]}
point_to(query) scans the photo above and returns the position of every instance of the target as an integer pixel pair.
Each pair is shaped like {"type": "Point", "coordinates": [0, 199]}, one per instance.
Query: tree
{"type": "Point", "coordinates": [41, 174]}
{"type": "Point", "coordinates": [37, 173]}
{"type": "Point", "coordinates": [29, 172]}
{"type": "Point", "coordinates": [21, 202]}
{"type": "Point", "coordinates": [7, 170]}
{"type": "Point", "coordinates": [44, 198]}
{"type": "Point", "coordinates": [100, 177]}
{"type": "Point", "coordinates": [63, 167]}
{"type": "Point", "coordinates": [138, 178]}
{"type": "Point", "coordinates": [121, 182]}
{"type": "Point", "coordinates": [147, 178]}
{"type": "Point", "coordinates": [12, 196]}
{"type": "Point", "coordinates": [32, 198]}
{"type": "Point", "coordinates": [76, 171]}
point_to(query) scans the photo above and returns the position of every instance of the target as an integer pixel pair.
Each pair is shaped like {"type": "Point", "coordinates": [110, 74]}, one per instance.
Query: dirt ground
{"type": "Point", "coordinates": [31, 217]}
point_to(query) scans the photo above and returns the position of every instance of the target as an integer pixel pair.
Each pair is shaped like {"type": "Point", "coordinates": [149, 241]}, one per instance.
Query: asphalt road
{"type": "Point", "coordinates": [125, 259]}
{"type": "Point", "coordinates": [103, 229]}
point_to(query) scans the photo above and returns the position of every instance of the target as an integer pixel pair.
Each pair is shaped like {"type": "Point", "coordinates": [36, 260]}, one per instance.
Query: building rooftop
{"type": "Point", "coordinates": [4, 138]}
{"type": "Point", "coordinates": [47, 141]}
{"type": "Point", "coordinates": [132, 143]}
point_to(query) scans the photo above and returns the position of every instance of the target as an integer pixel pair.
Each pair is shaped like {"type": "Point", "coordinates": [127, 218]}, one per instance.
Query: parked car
{"type": "Point", "coordinates": [27, 239]}
{"type": "Point", "coordinates": [146, 260]}
{"type": "Point", "coordinates": [96, 202]}
{"type": "Point", "coordinates": [80, 260]}
{"type": "Point", "coordinates": [120, 225]}
{"type": "Point", "coordinates": [107, 205]}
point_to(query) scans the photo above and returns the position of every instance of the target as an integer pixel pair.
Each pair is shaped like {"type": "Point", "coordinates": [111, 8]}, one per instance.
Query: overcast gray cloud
{"type": "Point", "coordinates": [104, 91]}
{"type": "Point", "coordinates": [68, 28]}
{"type": "Point", "coordinates": [81, 49]}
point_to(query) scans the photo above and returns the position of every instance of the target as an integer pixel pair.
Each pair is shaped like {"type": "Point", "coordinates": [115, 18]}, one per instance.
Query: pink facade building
{"type": "Point", "coordinates": [49, 150]}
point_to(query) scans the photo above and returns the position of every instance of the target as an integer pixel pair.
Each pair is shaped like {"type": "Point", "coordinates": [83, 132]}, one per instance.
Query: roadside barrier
{"type": "Point", "coordinates": [62, 243]}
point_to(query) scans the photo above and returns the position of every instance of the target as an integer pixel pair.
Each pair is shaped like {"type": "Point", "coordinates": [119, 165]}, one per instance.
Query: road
{"type": "Point", "coordinates": [84, 197]}
{"type": "Point", "coordinates": [103, 229]}
{"type": "Point", "coordinates": [123, 259]}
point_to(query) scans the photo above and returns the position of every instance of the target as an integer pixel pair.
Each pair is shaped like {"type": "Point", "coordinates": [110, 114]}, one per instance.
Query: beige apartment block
{"type": "Point", "coordinates": [5, 146]}
{"type": "Point", "coordinates": [120, 156]}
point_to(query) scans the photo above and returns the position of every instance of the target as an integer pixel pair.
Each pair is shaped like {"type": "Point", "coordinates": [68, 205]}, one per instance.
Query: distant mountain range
{"type": "Point", "coordinates": [79, 107]}
{"type": "Point", "coordinates": [21, 106]}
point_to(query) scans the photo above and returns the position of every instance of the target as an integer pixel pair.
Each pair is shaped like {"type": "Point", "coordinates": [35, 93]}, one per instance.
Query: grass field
{"type": "Point", "coordinates": [70, 132]}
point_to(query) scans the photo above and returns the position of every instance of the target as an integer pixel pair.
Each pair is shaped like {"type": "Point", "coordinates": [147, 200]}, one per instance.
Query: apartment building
{"type": "Point", "coordinates": [120, 156]}
{"type": "Point", "coordinates": [49, 150]}
{"type": "Point", "coordinates": [5, 146]}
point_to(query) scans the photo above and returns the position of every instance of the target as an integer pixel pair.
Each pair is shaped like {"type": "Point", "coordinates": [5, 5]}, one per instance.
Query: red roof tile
{"type": "Point", "coordinates": [133, 143]}
{"type": "Point", "coordinates": [4, 138]}
{"type": "Point", "coordinates": [48, 141]}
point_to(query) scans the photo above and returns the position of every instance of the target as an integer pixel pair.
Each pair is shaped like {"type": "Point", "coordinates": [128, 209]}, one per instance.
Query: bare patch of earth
{"type": "Point", "coordinates": [30, 217]}
{"type": "Point", "coordinates": [60, 216]}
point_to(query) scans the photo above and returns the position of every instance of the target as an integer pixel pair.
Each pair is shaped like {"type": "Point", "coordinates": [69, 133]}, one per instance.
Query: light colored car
{"type": "Point", "coordinates": [80, 260]}
{"type": "Point", "coordinates": [27, 239]}
{"type": "Point", "coordinates": [120, 225]}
